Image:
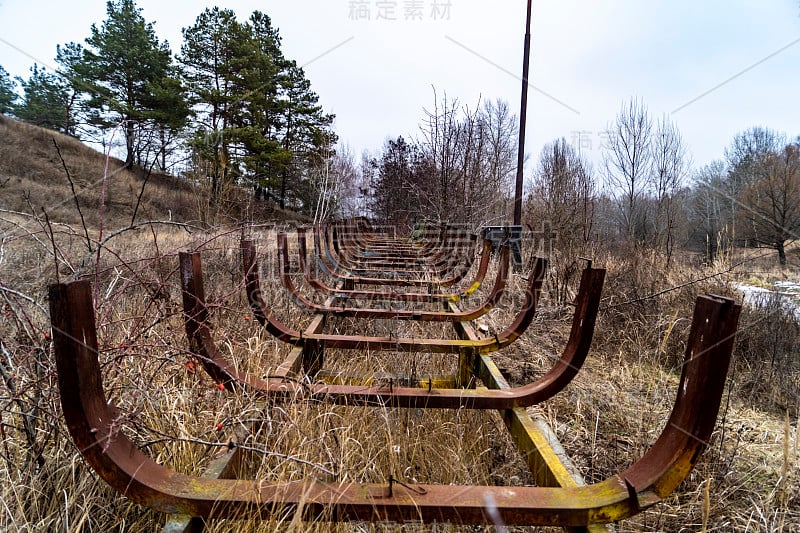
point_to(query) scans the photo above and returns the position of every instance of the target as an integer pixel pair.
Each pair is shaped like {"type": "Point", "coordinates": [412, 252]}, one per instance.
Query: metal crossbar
{"type": "Point", "coordinates": [561, 499]}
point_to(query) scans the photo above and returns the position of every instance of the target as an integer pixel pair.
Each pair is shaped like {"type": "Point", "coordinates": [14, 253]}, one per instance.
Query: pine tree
{"type": "Point", "coordinates": [8, 93]}
{"type": "Point", "coordinates": [211, 56]}
{"type": "Point", "coordinates": [167, 111]}
{"type": "Point", "coordinates": [119, 71]}
{"type": "Point", "coordinates": [47, 101]}
{"type": "Point", "coordinates": [260, 122]}
{"type": "Point", "coordinates": [72, 72]}
{"type": "Point", "coordinates": [307, 131]}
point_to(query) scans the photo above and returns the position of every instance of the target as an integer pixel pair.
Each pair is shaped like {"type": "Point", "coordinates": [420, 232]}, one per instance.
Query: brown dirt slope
{"type": "Point", "coordinates": [33, 178]}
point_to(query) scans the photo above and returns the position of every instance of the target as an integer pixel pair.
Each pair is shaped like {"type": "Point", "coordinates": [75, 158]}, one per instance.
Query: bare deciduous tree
{"type": "Point", "coordinates": [343, 183]}
{"type": "Point", "coordinates": [441, 136]}
{"type": "Point", "coordinates": [498, 161]}
{"type": "Point", "coordinates": [563, 193]}
{"type": "Point", "coordinates": [772, 200]}
{"type": "Point", "coordinates": [746, 153]}
{"type": "Point", "coordinates": [628, 164]}
{"type": "Point", "coordinates": [746, 156]}
{"type": "Point", "coordinates": [670, 164]}
{"type": "Point", "coordinates": [461, 167]}
{"type": "Point", "coordinates": [710, 208]}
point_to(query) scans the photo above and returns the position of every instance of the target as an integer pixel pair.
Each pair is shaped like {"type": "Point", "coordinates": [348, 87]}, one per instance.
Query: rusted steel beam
{"type": "Point", "coordinates": [431, 382]}
{"type": "Point", "coordinates": [350, 244]}
{"type": "Point", "coordinates": [353, 255]}
{"type": "Point", "coordinates": [389, 392]}
{"type": "Point", "coordinates": [338, 253]}
{"type": "Point", "coordinates": [248, 251]}
{"type": "Point", "coordinates": [212, 360]}
{"type": "Point", "coordinates": [226, 464]}
{"type": "Point", "coordinates": [483, 268]}
{"type": "Point", "coordinates": [343, 238]}
{"type": "Point", "coordinates": [503, 339]}
{"type": "Point", "coordinates": [93, 425]}
{"type": "Point", "coordinates": [340, 273]}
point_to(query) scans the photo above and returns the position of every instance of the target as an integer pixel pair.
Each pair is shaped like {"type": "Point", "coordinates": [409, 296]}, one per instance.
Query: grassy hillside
{"type": "Point", "coordinates": [34, 177]}
{"type": "Point", "coordinates": [747, 480]}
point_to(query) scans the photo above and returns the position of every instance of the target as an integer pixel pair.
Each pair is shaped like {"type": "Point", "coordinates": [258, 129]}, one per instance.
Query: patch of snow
{"type": "Point", "coordinates": [787, 291]}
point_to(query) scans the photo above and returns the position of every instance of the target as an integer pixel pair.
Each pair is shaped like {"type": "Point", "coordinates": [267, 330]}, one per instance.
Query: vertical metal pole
{"type": "Point", "coordinates": [522, 115]}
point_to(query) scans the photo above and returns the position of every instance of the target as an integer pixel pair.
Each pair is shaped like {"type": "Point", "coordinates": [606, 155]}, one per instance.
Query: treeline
{"type": "Point", "coordinates": [230, 106]}
{"type": "Point", "coordinates": [648, 195]}
{"type": "Point", "coordinates": [459, 169]}
{"type": "Point", "coordinates": [645, 193]}
{"type": "Point", "coordinates": [241, 113]}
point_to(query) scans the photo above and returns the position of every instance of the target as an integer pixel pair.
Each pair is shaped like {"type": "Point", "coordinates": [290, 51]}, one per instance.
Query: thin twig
{"type": "Point", "coordinates": [141, 192]}
{"type": "Point", "coordinates": [74, 195]}
{"type": "Point", "coordinates": [231, 444]}
{"type": "Point", "coordinates": [53, 239]}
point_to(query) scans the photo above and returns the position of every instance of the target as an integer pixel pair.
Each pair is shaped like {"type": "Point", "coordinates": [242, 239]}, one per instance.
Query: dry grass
{"type": "Point", "coordinates": [172, 409]}
{"type": "Point", "coordinates": [606, 419]}
{"type": "Point", "coordinates": [614, 410]}
{"type": "Point", "coordinates": [32, 178]}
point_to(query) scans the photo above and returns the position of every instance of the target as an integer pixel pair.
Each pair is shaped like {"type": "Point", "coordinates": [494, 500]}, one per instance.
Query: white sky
{"type": "Point", "coordinates": [717, 67]}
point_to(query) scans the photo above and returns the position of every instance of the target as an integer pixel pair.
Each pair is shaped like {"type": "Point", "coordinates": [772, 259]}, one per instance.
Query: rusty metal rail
{"type": "Point", "coordinates": [341, 292]}
{"type": "Point", "coordinates": [284, 333]}
{"type": "Point", "coordinates": [561, 499]}
{"type": "Point", "coordinates": [564, 370]}
{"type": "Point", "coordinates": [91, 422]}
{"type": "Point", "coordinates": [251, 267]}
{"type": "Point", "coordinates": [395, 255]}
{"type": "Point", "coordinates": [334, 268]}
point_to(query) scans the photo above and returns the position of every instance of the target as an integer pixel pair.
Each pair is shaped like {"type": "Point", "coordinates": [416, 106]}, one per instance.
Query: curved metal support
{"type": "Point", "coordinates": [342, 273]}
{"type": "Point", "coordinates": [405, 314]}
{"type": "Point", "coordinates": [560, 375]}
{"type": "Point", "coordinates": [286, 334]}
{"type": "Point", "coordinates": [483, 268]}
{"type": "Point", "coordinates": [92, 424]}
{"type": "Point", "coordinates": [356, 250]}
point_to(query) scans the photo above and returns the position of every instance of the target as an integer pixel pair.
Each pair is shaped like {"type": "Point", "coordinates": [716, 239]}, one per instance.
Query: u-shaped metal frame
{"type": "Point", "coordinates": [250, 265]}
{"type": "Point", "coordinates": [558, 377]}
{"type": "Point", "coordinates": [92, 423]}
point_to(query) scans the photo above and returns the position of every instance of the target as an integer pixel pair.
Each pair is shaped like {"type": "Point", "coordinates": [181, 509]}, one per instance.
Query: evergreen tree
{"type": "Point", "coordinates": [8, 94]}
{"type": "Point", "coordinates": [307, 130]}
{"type": "Point", "coordinates": [168, 112]}
{"type": "Point", "coordinates": [211, 55]}
{"type": "Point", "coordinates": [393, 182]}
{"type": "Point", "coordinates": [262, 120]}
{"type": "Point", "coordinates": [47, 101]}
{"type": "Point", "coordinates": [72, 72]}
{"type": "Point", "coordinates": [259, 120]}
{"type": "Point", "coordinates": [119, 71]}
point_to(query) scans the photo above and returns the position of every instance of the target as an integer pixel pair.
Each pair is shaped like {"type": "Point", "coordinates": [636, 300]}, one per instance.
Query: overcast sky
{"type": "Point", "coordinates": [715, 67]}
